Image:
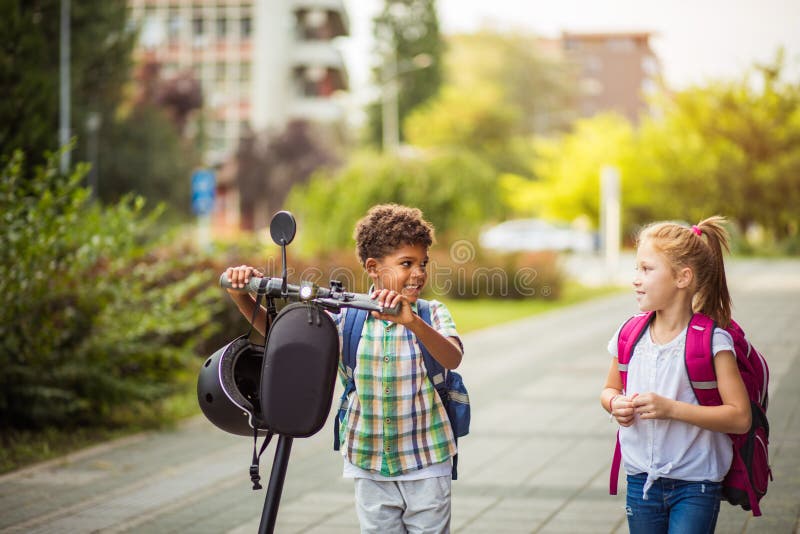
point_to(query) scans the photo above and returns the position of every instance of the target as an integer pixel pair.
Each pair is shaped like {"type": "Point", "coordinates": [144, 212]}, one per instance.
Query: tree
{"type": "Point", "coordinates": [101, 44]}
{"type": "Point", "coordinates": [745, 135]}
{"type": "Point", "coordinates": [454, 188]}
{"type": "Point", "coordinates": [479, 120]}
{"type": "Point", "coordinates": [500, 90]}
{"type": "Point", "coordinates": [141, 153]}
{"type": "Point", "coordinates": [730, 147]}
{"type": "Point", "coordinates": [270, 164]}
{"type": "Point", "coordinates": [405, 30]}
{"type": "Point", "coordinates": [143, 149]}
{"type": "Point", "coordinates": [99, 315]}
{"type": "Point", "coordinates": [568, 171]}
{"type": "Point", "coordinates": [540, 87]}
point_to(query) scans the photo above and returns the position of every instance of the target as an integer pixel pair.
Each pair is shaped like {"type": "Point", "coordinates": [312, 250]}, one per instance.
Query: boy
{"type": "Point", "coordinates": [396, 439]}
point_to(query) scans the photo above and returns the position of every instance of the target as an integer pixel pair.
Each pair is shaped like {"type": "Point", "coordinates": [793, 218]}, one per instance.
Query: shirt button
{"type": "Point", "coordinates": [386, 391]}
{"type": "Point", "coordinates": [388, 448]}
{"type": "Point", "coordinates": [386, 359]}
{"type": "Point", "coordinates": [388, 420]}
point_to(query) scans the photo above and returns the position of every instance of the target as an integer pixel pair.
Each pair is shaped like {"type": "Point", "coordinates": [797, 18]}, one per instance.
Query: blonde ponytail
{"type": "Point", "coordinates": [712, 297]}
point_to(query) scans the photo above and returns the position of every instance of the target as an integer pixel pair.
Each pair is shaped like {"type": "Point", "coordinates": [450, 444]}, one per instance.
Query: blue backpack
{"type": "Point", "coordinates": [448, 384]}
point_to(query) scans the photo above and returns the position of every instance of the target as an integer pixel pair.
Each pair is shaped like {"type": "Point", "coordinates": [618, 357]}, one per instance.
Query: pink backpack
{"type": "Point", "coordinates": [746, 481]}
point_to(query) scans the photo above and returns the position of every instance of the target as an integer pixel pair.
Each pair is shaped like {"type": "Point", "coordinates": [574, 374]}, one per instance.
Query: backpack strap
{"type": "Point", "coordinates": [351, 335]}
{"type": "Point", "coordinates": [699, 360]}
{"type": "Point", "coordinates": [629, 335]}
{"type": "Point", "coordinates": [437, 374]}
{"type": "Point", "coordinates": [436, 371]}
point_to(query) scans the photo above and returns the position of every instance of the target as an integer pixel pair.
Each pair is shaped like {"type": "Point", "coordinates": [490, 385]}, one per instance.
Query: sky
{"type": "Point", "coordinates": [696, 40]}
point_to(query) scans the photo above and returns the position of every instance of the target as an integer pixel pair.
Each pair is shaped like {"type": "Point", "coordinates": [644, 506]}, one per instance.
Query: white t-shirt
{"type": "Point", "coordinates": [664, 447]}
{"type": "Point", "coordinates": [441, 469]}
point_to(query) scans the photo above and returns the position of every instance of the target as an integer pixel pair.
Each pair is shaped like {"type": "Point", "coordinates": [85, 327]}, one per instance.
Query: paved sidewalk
{"type": "Point", "coordinates": [537, 458]}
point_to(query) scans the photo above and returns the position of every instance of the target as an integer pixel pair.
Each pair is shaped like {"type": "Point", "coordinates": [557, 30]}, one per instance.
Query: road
{"type": "Point", "coordinates": [536, 460]}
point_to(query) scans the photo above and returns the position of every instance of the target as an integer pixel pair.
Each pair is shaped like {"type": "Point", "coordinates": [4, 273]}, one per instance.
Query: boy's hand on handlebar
{"type": "Point", "coordinates": [387, 298]}
{"type": "Point", "coordinates": [239, 276]}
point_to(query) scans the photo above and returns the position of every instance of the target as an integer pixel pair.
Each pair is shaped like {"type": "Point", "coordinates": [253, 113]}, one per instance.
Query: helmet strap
{"type": "Point", "coordinates": [255, 477]}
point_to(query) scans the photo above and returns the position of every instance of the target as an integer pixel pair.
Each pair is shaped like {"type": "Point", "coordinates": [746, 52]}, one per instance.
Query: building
{"type": "Point", "coordinates": [615, 71]}
{"type": "Point", "coordinates": [260, 63]}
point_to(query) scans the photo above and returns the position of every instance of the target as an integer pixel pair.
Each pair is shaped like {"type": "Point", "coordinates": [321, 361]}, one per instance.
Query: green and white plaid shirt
{"type": "Point", "coordinates": [395, 421]}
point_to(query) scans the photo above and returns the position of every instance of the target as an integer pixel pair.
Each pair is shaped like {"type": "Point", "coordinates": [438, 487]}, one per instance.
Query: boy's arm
{"type": "Point", "coordinates": [447, 350]}
{"type": "Point", "coordinates": [239, 277]}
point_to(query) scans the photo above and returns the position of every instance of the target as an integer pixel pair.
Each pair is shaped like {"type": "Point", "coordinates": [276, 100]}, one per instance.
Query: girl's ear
{"type": "Point", "coordinates": [684, 278]}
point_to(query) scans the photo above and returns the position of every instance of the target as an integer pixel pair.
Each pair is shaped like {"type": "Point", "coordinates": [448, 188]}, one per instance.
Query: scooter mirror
{"type": "Point", "coordinates": [282, 228]}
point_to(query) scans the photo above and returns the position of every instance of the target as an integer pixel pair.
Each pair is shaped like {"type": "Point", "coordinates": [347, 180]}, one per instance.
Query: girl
{"type": "Point", "coordinates": [676, 452]}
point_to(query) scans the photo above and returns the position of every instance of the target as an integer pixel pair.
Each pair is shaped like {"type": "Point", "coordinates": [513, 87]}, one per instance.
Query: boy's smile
{"type": "Point", "coordinates": [403, 270]}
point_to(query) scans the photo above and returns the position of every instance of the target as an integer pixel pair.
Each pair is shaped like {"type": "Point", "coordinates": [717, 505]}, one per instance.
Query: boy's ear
{"type": "Point", "coordinates": [371, 266]}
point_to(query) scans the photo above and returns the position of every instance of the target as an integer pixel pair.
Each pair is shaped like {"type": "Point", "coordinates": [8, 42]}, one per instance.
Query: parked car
{"type": "Point", "coordinates": [536, 234]}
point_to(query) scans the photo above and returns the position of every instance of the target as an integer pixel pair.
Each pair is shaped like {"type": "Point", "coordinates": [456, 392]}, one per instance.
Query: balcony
{"type": "Point", "coordinates": [317, 61]}
{"type": "Point", "coordinates": [320, 20]}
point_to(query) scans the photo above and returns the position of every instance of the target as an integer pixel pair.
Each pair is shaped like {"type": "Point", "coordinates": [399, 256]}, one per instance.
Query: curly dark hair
{"type": "Point", "coordinates": [386, 227]}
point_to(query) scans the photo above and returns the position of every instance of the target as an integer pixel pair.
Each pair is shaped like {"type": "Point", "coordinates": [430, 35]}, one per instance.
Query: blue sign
{"type": "Point", "coordinates": [203, 186]}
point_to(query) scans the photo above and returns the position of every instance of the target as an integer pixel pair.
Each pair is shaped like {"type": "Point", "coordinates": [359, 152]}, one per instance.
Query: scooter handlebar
{"type": "Point", "coordinates": [308, 292]}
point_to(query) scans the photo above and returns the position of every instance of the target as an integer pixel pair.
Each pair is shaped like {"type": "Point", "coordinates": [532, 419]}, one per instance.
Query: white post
{"type": "Point", "coordinates": [204, 232]}
{"type": "Point", "coordinates": [390, 107]}
{"type": "Point", "coordinates": [610, 217]}
{"type": "Point", "coordinates": [64, 90]}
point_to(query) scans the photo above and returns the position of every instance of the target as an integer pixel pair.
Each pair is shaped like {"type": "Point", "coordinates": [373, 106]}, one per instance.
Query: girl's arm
{"type": "Point", "coordinates": [612, 398]}
{"type": "Point", "coordinates": [239, 276]}
{"type": "Point", "coordinates": [733, 416]}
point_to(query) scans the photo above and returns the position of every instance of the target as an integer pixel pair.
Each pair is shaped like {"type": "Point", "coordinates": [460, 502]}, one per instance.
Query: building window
{"type": "Point", "coordinates": [197, 26]}
{"type": "Point", "coordinates": [592, 65]}
{"type": "Point", "coordinates": [649, 87]}
{"type": "Point", "coordinates": [220, 71]}
{"type": "Point", "coordinates": [650, 65]}
{"type": "Point", "coordinates": [174, 23]}
{"type": "Point", "coordinates": [591, 86]}
{"type": "Point", "coordinates": [246, 27]}
{"type": "Point", "coordinates": [621, 44]}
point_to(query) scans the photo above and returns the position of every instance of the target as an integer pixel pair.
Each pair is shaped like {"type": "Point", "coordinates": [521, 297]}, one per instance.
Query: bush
{"type": "Point", "coordinates": [461, 275]}
{"type": "Point", "coordinates": [99, 317]}
{"type": "Point", "coordinates": [456, 191]}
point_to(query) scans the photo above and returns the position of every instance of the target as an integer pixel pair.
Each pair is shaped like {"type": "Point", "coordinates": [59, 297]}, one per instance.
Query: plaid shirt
{"type": "Point", "coordinates": [395, 421]}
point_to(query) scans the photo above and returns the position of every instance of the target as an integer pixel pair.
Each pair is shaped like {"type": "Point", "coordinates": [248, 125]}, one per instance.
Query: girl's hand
{"type": "Point", "coordinates": [622, 409]}
{"type": "Point", "coordinates": [239, 276]}
{"type": "Point", "coordinates": [388, 299]}
{"type": "Point", "coordinates": [652, 406]}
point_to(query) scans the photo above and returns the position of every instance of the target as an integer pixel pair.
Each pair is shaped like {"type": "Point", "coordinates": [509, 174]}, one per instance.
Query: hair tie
{"type": "Point", "coordinates": [697, 230]}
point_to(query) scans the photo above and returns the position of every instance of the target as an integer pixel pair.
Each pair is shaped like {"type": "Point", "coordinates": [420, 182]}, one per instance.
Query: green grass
{"type": "Point", "coordinates": [23, 447]}
{"type": "Point", "coordinates": [471, 315]}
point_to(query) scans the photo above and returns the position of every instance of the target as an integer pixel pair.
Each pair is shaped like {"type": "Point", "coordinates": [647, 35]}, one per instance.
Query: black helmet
{"type": "Point", "coordinates": [228, 387]}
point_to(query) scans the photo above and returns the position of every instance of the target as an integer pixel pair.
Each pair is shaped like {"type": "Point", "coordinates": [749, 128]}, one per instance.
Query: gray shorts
{"type": "Point", "coordinates": [404, 506]}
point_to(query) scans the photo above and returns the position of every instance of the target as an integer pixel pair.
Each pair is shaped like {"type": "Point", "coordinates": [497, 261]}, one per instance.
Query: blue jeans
{"type": "Point", "coordinates": [672, 506]}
